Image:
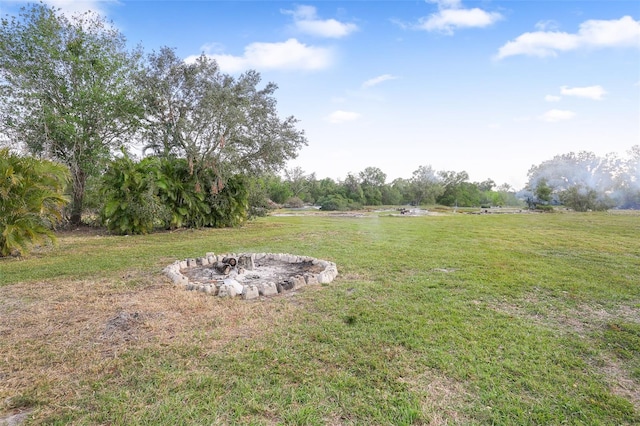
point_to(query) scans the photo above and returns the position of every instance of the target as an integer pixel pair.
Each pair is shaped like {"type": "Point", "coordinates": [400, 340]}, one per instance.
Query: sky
{"type": "Point", "coordinates": [487, 87]}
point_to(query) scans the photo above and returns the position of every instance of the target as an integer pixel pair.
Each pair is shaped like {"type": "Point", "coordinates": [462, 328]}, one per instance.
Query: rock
{"type": "Point", "coordinates": [324, 278]}
{"type": "Point", "coordinates": [184, 264]}
{"type": "Point", "coordinates": [227, 290]}
{"type": "Point", "coordinates": [279, 288]}
{"type": "Point", "coordinates": [310, 279]}
{"type": "Point", "coordinates": [235, 284]}
{"type": "Point", "coordinates": [298, 282]}
{"type": "Point", "coordinates": [191, 263]}
{"type": "Point", "coordinates": [287, 285]}
{"type": "Point", "coordinates": [250, 292]}
{"type": "Point", "coordinates": [267, 289]}
{"type": "Point", "coordinates": [246, 262]}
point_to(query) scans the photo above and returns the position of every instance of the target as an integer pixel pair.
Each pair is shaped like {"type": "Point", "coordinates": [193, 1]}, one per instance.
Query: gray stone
{"type": "Point", "coordinates": [250, 292]}
{"type": "Point", "coordinates": [311, 279]}
{"type": "Point", "coordinates": [184, 264]}
{"type": "Point", "coordinates": [267, 289]}
{"type": "Point", "coordinates": [235, 284]}
{"type": "Point", "coordinates": [227, 290]}
{"type": "Point", "coordinates": [191, 263]}
{"type": "Point", "coordinates": [246, 262]}
{"type": "Point", "coordinates": [298, 281]}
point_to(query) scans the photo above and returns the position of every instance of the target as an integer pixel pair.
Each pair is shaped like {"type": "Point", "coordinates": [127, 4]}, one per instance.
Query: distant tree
{"type": "Point", "coordinates": [372, 180]}
{"type": "Point", "coordinates": [454, 191]}
{"type": "Point", "coordinates": [353, 189]}
{"type": "Point", "coordinates": [425, 186]}
{"type": "Point", "coordinates": [543, 192]}
{"type": "Point", "coordinates": [298, 181]}
{"type": "Point", "coordinates": [67, 91]}
{"type": "Point", "coordinates": [31, 201]}
{"type": "Point", "coordinates": [584, 199]}
{"type": "Point", "coordinates": [627, 188]}
{"type": "Point", "coordinates": [404, 188]}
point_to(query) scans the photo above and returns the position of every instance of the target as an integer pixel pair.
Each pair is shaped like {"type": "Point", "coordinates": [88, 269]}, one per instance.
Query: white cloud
{"type": "Point", "coordinates": [306, 21]}
{"type": "Point", "coordinates": [552, 98]}
{"type": "Point", "coordinates": [448, 20]}
{"type": "Point", "coordinates": [447, 4]}
{"type": "Point", "coordinates": [379, 79]}
{"type": "Point", "coordinates": [340, 116]}
{"type": "Point", "coordinates": [555, 115]}
{"type": "Point", "coordinates": [548, 25]}
{"type": "Point", "coordinates": [288, 55]}
{"type": "Point", "coordinates": [590, 92]}
{"type": "Point", "coordinates": [623, 32]}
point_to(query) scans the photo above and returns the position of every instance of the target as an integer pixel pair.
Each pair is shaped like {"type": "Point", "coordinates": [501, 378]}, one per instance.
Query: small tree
{"type": "Point", "coordinates": [31, 201]}
{"type": "Point", "coordinates": [543, 192]}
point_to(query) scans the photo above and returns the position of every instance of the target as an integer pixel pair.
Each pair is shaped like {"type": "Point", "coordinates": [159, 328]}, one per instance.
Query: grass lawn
{"type": "Point", "coordinates": [508, 319]}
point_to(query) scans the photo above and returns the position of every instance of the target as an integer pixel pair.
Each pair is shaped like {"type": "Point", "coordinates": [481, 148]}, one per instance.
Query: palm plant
{"type": "Point", "coordinates": [31, 201]}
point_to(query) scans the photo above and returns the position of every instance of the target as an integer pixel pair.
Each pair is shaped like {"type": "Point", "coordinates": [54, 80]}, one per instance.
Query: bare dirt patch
{"type": "Point", "coordinates": [57, 336]}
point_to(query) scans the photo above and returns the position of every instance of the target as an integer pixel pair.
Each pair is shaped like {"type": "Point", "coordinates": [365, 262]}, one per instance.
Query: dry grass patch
{"type": "Point", "coordinates": [57, 336]}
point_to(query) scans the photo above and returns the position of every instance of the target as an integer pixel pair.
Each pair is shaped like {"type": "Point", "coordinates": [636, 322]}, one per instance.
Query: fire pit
{"type": "Point", "coordinates": [250, 275]}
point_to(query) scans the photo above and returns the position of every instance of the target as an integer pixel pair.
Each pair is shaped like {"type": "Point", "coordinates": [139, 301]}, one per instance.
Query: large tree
{"type": "Point", "coordinates": [66, 90]}
{"type": "Point", "coordinates": [217, 122]}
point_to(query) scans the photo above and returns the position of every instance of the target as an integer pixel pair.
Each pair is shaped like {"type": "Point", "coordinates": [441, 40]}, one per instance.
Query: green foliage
{"type": "Point", "coordinates": [229, 207]}
{"type": "Point", "coordinates": [294, 202]}
{"type": "Point", "coordinates": [543, 191]}
{"type": "Point", "coordinates": [131, 201]}
{"type": "Point", "coordinates": [31, 201]}
{"type": "Point", "coordinates": [67, 90]}
{"type": "Point", "coordinates": [338, 202]}
{"type": "Point", "coordinates": [583, 199]}
{"type": "Point", "coordinates": [167, 193]}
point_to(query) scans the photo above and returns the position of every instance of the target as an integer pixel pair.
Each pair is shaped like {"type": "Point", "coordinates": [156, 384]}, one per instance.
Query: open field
{"type": "Point", "coordinates": [450, 319]}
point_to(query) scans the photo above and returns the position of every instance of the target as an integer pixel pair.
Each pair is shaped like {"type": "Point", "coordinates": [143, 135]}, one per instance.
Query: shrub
{"type": "Point", "coordinates": [132, 204]}
{"type": "Point", "coordinates": [31, 201]}
{"type": "Point", "coordinates": [294, 203]}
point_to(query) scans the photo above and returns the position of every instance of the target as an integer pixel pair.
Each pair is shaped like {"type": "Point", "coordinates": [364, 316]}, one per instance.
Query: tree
{"type": "Point", "coordinates": [31, 201]}
{"type": "Point", "coordinates": [583, 199]}
{"type": "Point", "coordinates": [298, 181]}
{"type": "Point", "coordinates": [353, 189]}
{"type": "Point", "coordinates": [425, 186]}
{"type": "Point", "coordinates": [453, 191]}
{"type": "Point", "coordinates": [543, 192]}
{"type": "Point", "coordinates": [372, 181]}
{"type": "Point", "coordinates": [66, 90]}
{"type": "Point", "coordinates": [215, 121]}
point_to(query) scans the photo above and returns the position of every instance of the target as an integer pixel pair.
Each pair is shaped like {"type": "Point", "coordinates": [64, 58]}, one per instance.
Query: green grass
{"type": "Point", "coordinates": [458, 319]}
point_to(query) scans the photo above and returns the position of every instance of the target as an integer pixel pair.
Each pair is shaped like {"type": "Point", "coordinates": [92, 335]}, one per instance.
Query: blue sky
{"type": "Point", "coordinates": [489, 87]}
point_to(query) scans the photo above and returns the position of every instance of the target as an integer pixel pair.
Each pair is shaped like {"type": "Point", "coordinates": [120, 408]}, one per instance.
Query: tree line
{"type": "Point", "coordinates": [370, 188]}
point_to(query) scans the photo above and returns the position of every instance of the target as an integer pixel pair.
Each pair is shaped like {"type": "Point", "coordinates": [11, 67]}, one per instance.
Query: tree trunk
{"type": "Point", "coordinates": [79, 181]}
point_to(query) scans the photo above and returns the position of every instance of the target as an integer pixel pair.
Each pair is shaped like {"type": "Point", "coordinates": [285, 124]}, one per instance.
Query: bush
{"type": "Point", "coordinates": [294, 203]}
{"type": "Point", "coordinates": [132, 204]}
{"type": "Point", "coordinates": [338, 202]}
{"type": "Point", "coordinates": [31, 201]}
{"type": "Point", "coordinates": [168, 193]}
